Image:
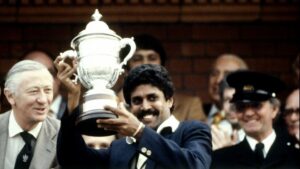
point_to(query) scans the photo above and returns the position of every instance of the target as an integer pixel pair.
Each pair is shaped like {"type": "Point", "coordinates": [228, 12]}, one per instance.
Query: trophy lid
{"type": "Point", "coordinates": [95, 27]}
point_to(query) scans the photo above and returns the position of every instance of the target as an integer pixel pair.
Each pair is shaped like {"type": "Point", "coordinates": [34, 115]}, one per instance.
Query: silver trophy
{"type": "Point", "coordinates": [97, 51]}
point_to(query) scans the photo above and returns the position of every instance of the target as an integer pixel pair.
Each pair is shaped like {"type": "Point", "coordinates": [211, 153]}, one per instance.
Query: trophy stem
{"type": "Point", "coordinates": [93, 108]}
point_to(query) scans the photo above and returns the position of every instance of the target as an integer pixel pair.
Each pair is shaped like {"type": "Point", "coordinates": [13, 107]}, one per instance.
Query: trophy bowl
{"type": "Point", "coordinates": [97, 51]}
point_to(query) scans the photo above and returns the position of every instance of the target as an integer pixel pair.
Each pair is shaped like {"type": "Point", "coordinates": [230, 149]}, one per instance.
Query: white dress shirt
{"type": "Point", "coordinates": [267, 142]}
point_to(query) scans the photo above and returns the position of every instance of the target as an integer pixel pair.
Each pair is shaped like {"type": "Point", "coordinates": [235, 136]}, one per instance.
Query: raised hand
{"type": "Point", "coordinates": [65, 72]}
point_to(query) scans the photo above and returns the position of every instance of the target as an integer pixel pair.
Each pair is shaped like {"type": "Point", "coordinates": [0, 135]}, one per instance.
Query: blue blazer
{"type": "Point", "coordinates": [189, 147]}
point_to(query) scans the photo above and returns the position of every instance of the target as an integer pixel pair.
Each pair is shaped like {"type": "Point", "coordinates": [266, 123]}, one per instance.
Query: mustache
{"type": "Point", "coordinates": [143, 113]}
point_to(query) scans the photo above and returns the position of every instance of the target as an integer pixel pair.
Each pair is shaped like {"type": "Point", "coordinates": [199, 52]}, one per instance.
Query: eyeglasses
{"type": "Point", "coordinates": [242, 107]}
{"type": "Point", "coordinates": [291, 111]}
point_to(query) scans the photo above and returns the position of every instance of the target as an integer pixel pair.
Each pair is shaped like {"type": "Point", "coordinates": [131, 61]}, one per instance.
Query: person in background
{"type": "Point", "coordinates": [226, 130]}
{"type": "Point", "coordinates": [256, 104]}
{"type": "Point", "coordinates": [150, 51]}
{"type": "Point", "coordinates": [27, 134]}
{"type": "Point", "coordinates": [59, 103]}
{"type": "Point", "coordinates": [291, 116]}
{"type": "Point", "coordinates": [98, 142]}
{"type": "Point", "coordinates": [154, 137]}
{"type": "Point", "coordinates": [223, 65]}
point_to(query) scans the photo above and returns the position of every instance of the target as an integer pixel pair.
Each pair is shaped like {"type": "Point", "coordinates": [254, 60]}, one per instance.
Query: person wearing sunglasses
{"type": "Point", "coordinates": [256, 103]}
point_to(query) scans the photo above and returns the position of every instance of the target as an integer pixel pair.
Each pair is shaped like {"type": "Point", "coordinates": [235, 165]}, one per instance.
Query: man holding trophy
{"type": "Point", "coordinates": [154, 137]}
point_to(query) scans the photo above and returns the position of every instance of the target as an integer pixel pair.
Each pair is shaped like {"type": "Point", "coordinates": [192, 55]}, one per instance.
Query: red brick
{"type": "Point", "coordinates": [202, 65]}
{"type": "Point", "coordinates": [194, 82]}
{"type": "Point", "coordinates": [192, 49]}
{"type": "Point", "coordinates": [264, 32]}
{"type": "Point", "coordinates": [177, 80]}
{"type": "Point", "coordinates": [173, 51]}
{"type": "Point", "coordinates": [269, 65]}
{"type": "Point", "coordinates": [215, 32]}
{"type": "Point", "coordinates": [264, 49]}
{"type": "Point", "coordinates": [180, 66]}
{"type": "Point", "coordinates": [216, 48]}
{"type": "Point", "coordinates": [6, 64]}
{"type": "Point", "coordinates": [10, 32]}
{"type": "Point", "coordinates": [179, 32]}
{"type": "Point", "coordinates": [47, 32]}
{"type": "Point", "coordinates": [243, 49]}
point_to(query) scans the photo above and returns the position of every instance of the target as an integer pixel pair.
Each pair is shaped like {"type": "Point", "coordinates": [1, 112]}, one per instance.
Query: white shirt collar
{"type": "Point", "coordinates": [267, 142]}
{"type": "Point", "coordinates": [55, 104]}
{"type": "Point", "coordinates": [170, 122]}
{"type": "Point", "coordinates": [14, 128]}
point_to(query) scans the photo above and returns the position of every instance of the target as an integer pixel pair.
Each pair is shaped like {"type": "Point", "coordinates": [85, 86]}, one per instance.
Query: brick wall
{"type": "Point", "coordinates": [191, 47]}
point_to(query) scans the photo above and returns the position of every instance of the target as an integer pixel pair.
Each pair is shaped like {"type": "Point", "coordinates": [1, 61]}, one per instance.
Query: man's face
{"type": "Point", "coordinates": [144, 56]}
{"type": "Point", "coordinates": [221, 68]}
{"type": "Point", "coordinates": [149, 105]}
{"type": "Point", "coordinates": [256, 118]}
{"type": "Point", "coordinates": [291, 113]}
{"type": "Point", "coordinates": [44, 59]}
{"type": "Point", "coordinates": [33, 96]}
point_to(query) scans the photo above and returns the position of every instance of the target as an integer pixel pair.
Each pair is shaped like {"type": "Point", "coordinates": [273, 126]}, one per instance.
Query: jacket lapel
{"type": "Point", "coordinates": [45, 148]}
{"type": "Point", "coordinates": [245, 155]}
{"type": "Point", "coordinates": [276, 154]}
{"type": "Point", "coordinates": [3, 136]}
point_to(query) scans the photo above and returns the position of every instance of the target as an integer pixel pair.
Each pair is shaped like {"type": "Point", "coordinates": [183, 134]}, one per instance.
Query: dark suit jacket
{"type": "Point", "coordinates": [240, 156]}
{"type": "Point", "coordinates": [189, 147]}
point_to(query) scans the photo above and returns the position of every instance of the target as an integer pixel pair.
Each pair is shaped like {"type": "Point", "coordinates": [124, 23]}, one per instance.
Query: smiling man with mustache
{"type": "Point", "coordinates": [155, 139]}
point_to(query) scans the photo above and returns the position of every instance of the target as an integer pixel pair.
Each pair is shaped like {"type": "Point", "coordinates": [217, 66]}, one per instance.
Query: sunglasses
{"type": "Point", "coordinates": [242, 107]}
{"type": "Point", "coordinates": [290, 111]}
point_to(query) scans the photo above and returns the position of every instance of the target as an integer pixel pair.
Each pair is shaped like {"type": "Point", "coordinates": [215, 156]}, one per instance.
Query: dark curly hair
{"type": "Point", "coordinates": [149, 42]}
{"type": "Point", "coordinates": [155, 75]}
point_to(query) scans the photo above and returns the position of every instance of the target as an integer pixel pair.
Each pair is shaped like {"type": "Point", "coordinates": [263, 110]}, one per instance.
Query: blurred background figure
{"type": "Point", "coordinates": [98, 142]}
{"type": "Point", "coordinates": [59, 103]}
{"type": "Point", "coordinates": [291, 114]}
{"type": "Point", "coordinates": [223, 65]}
{"type": "Point", "coordinates": [226, 130]}
{"type": "Point", "coordinates": [150, 51]}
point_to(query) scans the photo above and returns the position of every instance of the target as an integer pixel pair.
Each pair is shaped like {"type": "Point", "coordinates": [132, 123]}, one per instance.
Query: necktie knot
{"type": "Point", "coordinates": [166, 131]}
{"type": "Point", "coordinates": [27, 137]}
{"type": "Point", "coordinates": [259, 146]}
{"type": "Point", "coordinates": [259, 152]}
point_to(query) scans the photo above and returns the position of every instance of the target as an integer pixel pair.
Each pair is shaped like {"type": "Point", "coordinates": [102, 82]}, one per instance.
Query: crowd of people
{"type": "Point", "coordinates": [246, 126]}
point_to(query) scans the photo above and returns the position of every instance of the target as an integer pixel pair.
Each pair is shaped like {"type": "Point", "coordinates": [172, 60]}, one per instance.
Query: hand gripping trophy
{"type": "Point", "coordinates": [97, 51]}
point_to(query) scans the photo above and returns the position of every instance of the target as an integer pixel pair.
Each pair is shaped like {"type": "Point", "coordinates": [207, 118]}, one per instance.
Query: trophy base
{"type": "Point", "coordinates": [86, 122]}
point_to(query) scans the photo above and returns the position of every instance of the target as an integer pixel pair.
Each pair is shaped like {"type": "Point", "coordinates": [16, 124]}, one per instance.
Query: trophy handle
{"type": "Point", "coordinates": [70, 54]}
{"type": "Point", "coordinates": [130, 42]}
{"type": "Point", "coordinates": [118, 69]}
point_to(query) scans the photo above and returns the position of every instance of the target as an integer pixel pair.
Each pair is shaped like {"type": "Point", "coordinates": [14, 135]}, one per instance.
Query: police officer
{"type": "Point", "coordinates": [257, 105]}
